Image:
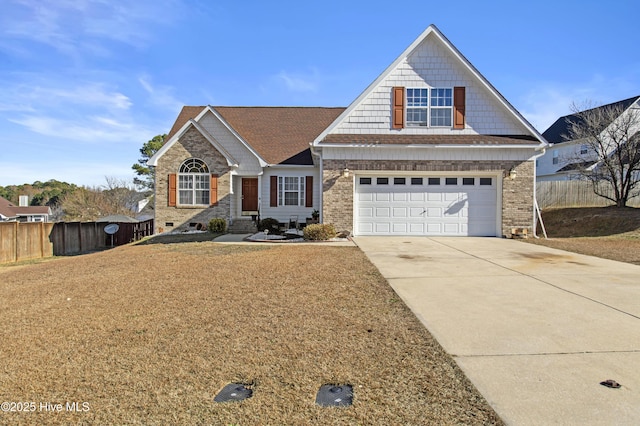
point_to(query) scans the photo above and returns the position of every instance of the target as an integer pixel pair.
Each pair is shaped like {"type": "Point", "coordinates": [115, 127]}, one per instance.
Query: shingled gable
{"type": "Point", "coordinates": [277, 135]}
{"type": "Point", "coordinates": [330, 136]}
{"type": "Point", "coordinates": [184, 122]}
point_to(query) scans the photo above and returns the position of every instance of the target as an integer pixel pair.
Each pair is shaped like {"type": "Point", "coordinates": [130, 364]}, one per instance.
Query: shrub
{"type": "Point", "coordinates": [319, 232]}
{"type": "Point", "coordinates": [217, 225]}
{"type": "Point", "coordinates": [270, 224]}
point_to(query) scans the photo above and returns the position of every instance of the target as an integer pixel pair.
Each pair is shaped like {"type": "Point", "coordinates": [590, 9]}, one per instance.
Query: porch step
{"type": "Point", "coordinates": [243, 226]}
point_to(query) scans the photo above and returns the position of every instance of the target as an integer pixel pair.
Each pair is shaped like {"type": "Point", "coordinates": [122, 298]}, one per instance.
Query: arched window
{"type": "Point", "coordinates": [194, 183]}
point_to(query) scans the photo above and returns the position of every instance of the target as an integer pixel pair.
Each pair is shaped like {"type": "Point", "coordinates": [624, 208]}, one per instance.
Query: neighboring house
{"type": "Point", "coordinates": [429, 148]}
{"type": "Point", "coordinates": [565, 157]}
{"type": "Point", "coordinates": [23, 212]}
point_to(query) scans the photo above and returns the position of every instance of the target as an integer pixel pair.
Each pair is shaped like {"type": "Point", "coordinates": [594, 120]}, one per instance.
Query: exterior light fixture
{"type": "Point", "coordinates": [512, 173]}
{"type": "Point", "coordinates": [345, 172]}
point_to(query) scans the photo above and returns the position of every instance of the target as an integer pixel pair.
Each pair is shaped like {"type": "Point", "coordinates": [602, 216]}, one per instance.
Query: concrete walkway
{"type": "Point", "coordinates": [535, 329]}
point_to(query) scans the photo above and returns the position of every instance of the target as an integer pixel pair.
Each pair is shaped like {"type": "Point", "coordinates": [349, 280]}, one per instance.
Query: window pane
{"type": "Point", "coordinates": [202, 197]}
{"type": "Point", "coordinates": [468, 181]}
{"type": "Point", "coordinates": [417, 97]}
{"type": "Point", "coordinates": [451, 181]}
{"type": "Point", "coordinates": [417, 116]}
{"type": "Point", "coordinates": [185, 182]}
{"type": "Point", "coordinates": [416, 181]}
{"type": "Point", "coordinates": [185, 197]}
{"type": "Point", "coordinates": [399, 181]}
{"type": "Point", "coordinates": [382, 181]}
{"type": "Point", "coordinates": [365, 181]}
{"type": "Point", "coordinates": [291, 198]}
{"type": "Point", "coordinates": [434, 181]}
{"type": "Point", "coordinates": [485, 181]}
{"type": "Point", "coordinates": [441, 117]}
{"type": "Point", "coordinates": [441, 97]}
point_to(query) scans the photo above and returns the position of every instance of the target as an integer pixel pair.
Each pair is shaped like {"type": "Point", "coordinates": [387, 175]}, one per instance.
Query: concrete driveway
{"type": "Point", "coordinates": [535, 329]}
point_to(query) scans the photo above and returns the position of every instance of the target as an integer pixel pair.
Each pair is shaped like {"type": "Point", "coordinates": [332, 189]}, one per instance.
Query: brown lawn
{"type": "Point", "coordinates": [148, 334]}
{"type": "Point", "coordinates": [606, 232]}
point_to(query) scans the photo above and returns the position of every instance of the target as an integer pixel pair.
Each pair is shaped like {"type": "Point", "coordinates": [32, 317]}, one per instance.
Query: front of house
{"type": "Point", "coordinates": [429, 148]}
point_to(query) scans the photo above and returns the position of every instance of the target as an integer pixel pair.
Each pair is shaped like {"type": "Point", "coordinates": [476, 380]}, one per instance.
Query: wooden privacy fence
{"type": "Point", "coordinates": [21, 241]}
{"type": "Point", "coordinates": [572, 193]}
{"type": "Point", "coordinates": [24, 240]}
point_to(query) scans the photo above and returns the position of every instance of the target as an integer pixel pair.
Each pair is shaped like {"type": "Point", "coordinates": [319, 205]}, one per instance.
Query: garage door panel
{"type": "Point", "coordinates": [383, 212]}
{"type": "Point", "coordinates": [451, 196]}
{"type": "Point", "coordinates": [422, 209]}
{"type": "Point", "coordinates": [451, 228]}
{"type": "Point", "coordinates": [400, 212]}
{"type": "Point", "coordinates": [416, 228]}
{"type": "Point", "coordinates": [416, 212]}
{"type": "Point", "coordinates": [434, 212]}
{"type": "Point", "coordinates": [434, 228]}
{"type": "Point", "coordinates": [365, 227]}
{"type": "Point", "coordinates": [382, 227]}
{"type": "Point", "coordinates": [399, 228]}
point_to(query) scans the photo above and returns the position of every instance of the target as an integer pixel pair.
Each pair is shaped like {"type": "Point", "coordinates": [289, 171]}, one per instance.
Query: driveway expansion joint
{"type": "Point", "coordinates": [632, 351]}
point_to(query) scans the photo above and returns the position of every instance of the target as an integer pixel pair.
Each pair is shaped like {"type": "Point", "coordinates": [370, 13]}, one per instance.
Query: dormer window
{"type": "Point", "coordinates": [428, 107]}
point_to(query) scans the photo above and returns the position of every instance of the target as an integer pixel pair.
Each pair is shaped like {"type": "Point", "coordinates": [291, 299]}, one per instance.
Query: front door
{"type": "Point", "coordinates": [249, 195]}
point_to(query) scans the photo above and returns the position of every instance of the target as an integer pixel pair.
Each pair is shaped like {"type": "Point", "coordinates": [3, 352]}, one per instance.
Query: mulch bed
{"type": "Point", "coordinates": [150, 333]}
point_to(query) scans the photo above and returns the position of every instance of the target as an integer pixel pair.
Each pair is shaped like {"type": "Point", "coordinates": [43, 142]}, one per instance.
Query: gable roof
{"type": "Point", "coordinates": [555, 133]}
{"type": "Point", "coordinates": [433, 31]}
{"type": "Point", "coordinates": [280, 135]}
{"type": "Point", "coordinates": [9, 210]}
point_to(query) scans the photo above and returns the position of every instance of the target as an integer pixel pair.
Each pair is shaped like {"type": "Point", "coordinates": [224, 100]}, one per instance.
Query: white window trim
{"type": "Point", "coordinates": [301, 180]}
{"type": "Point", "coordinates": [428, 108]}
{"type": "Point", "coordinates": [206, 177]}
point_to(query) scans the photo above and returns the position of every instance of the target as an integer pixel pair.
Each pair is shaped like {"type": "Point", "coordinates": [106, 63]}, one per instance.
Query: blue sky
{"type": "Point", "coordinates": [84, 83]}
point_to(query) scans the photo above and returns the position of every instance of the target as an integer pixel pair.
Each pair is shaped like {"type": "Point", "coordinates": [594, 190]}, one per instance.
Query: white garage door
{"type": "Point", "coordinates": [426, 205]}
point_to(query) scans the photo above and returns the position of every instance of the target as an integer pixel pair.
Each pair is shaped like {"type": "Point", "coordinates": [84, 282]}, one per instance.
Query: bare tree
{"type": "Point", "coordinates": [89, 204]}
{"type": "Point", "coordinates": [610, 153]}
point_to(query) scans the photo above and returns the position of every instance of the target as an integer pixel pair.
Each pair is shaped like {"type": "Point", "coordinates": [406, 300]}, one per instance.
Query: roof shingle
{"type": "Point", "coordinates": [560, 128]}
{"type": "Point", "coordinates": [384, 139]}
{"type": "Point", "coordinates": [280, 135]}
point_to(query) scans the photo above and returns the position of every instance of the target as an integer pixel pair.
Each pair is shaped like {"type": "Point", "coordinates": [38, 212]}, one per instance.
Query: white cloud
{"type": "Point", "coordinates": [300, 82]}
{"type": "Point", "coordinates": [92, 130]}
{"type": "Point", "coordinates": [161, 96]}
{"type": "Point", "coordinates": [75, 26]}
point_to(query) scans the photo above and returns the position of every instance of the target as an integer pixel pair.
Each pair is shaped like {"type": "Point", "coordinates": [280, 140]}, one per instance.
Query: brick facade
{"type": "Point", "coordinates": [191, 145]}
{"type": "Point", "coordinates": [517, 194]}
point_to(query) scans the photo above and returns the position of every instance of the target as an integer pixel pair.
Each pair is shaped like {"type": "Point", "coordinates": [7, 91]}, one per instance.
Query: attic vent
{"type": "Point", "coordinates": [23, 201]}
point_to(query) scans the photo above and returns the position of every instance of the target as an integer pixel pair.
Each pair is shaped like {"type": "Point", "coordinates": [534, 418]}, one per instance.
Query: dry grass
{"type": "Point", "coordinates": [148, 334]}
{"type": "Point", "coordinates": [606, 232]}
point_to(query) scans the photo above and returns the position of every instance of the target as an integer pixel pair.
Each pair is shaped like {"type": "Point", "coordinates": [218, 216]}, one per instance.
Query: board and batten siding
{"type": "Point", "coordinates": [431, 65]}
